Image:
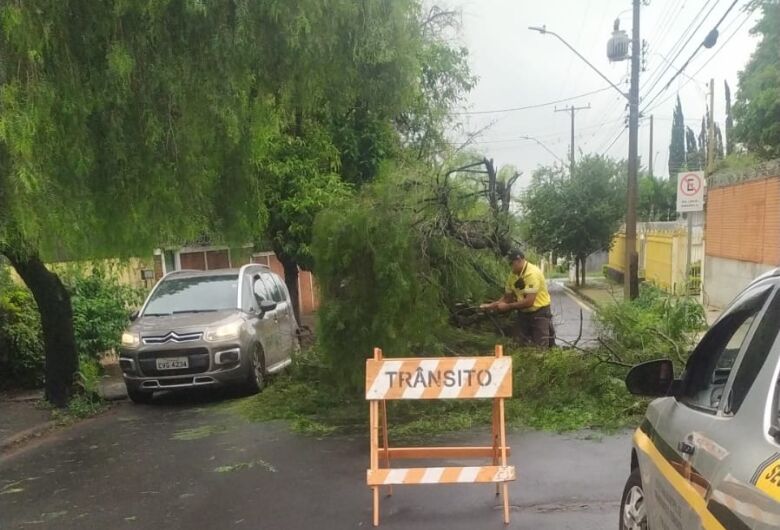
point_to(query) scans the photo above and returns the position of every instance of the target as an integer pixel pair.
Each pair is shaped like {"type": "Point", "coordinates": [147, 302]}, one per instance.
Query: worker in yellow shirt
{"type": "Point", "coordinates": [526, 292]}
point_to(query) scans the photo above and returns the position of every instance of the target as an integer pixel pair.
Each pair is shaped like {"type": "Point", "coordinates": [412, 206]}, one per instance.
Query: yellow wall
{"type": "Point", "coordinates": [662, 256]}
{"type": "Point", "coordinates": [617, 254]}
{"type": "Point", "coordinates": [658, 259]}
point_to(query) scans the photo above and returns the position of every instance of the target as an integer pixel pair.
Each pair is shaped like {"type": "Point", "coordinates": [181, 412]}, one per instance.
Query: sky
{"type": "Point", "coordinates": [517, 67]}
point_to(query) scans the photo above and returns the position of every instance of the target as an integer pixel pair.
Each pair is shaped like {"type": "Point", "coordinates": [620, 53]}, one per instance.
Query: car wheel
{"type": "Point", "coordinates": [256, 375]}
{"type": "Point", "coordinates": [633, 510]}
{"type": "Point", "coordinates": [138, 397]}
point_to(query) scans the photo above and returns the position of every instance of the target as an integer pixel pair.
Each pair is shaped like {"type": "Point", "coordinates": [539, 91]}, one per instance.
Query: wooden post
{"type": "Point", "coordinates": [496, 436]}
{"type": "Point", "coordinates": [374, 420]}
{"type": "Point", "coordinates": [502, 431]}
{"type": "Point", "coordinates": [385, 438]}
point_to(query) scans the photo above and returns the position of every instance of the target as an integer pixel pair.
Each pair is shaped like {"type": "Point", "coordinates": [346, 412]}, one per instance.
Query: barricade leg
{"type": "Point", "coordinates": [385, 439]}
{"type": "Point", "coordinates": [373, 412]}
{"type": "Point", "coordinates": [504, 485]}
{"type": "Point", "coordinates": [496, 437]}
{"type": "Point", "coordinates": [502, 432]}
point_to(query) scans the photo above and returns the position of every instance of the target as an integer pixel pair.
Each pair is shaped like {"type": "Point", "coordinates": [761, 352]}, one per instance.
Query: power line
{"type": "Point", "coordinates": [598, 126]}
{"type": "Point", "coordinates": [711, 57]}
{"type": "Point", "coordinates": [615, 139]}
{"type": "Point", "coordinates": [675, 48]}
{"type": "Point", "coordinates": [664, 21]}
{"type": "Point", "coordinates": [535, 106]}
{"type": "Point", "coordinates": [687, 41]}
{"type": "Point", "coordinates": [682, 68]}
{"type": "Point", "coordinates": [715, 29]}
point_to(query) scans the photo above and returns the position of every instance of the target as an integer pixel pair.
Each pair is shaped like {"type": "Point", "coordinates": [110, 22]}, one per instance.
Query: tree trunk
{"type": "Point", "coordinates": [53, 300]}
{"type": "Point", "coordinates": [291, 281]}
{"type": "Point", "coordinates": [577, 271]}
{"type": "Point", "coordinates": [583, 261]}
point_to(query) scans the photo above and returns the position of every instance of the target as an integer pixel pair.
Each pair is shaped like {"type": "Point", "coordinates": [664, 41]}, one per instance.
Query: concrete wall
{"type": "Point", "coordinates": [724, 278]}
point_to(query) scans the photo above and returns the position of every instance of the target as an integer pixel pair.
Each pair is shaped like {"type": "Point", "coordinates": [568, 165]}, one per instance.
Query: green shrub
{"type": "Point", "coordinates": [374, 292]}
{"type": "Point", "coordinates": [559, 390]}
{"type": "Point", "coordinates": [391, 277]}
{"type": "Point", "coordinates": [88, 375]}
{"type": "Point", "coordinates": [654, 325]}
{"type": "Point", "coordinates": [21, 343]}
{"type": "Point", "coordinates": [101, 305]}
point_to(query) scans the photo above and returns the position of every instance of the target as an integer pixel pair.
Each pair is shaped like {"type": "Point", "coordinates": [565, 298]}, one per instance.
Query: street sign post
{"type": "Point", "coordinates": [690, 199]}
{"type": "Point", "coordinates": [438, 378]}
{"type": "Point", "coordinates": [690, 191]}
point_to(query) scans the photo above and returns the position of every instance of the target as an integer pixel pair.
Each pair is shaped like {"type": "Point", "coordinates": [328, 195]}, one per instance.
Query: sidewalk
{"type": "Point", "coordinates": [23, 417]}
{"type": "Point", "coordinates": [597, 292]}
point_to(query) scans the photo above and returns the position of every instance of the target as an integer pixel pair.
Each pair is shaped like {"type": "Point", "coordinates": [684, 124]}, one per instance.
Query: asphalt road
{"type": "Point", "coordinates": [186, 463]}
{"type": "Point", "coordinates": [573, 319]}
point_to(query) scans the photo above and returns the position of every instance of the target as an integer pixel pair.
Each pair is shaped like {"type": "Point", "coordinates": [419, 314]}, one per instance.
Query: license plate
{"type": "Point", "coordinates": [173, 363]}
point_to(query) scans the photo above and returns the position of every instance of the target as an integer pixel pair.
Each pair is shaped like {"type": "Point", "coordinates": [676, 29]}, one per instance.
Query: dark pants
{"type": "Point", "coordinates": [535, 328]}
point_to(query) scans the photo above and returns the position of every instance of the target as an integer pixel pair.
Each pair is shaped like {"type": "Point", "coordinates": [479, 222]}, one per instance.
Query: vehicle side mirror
{"type": "Point", "coordinates": [134, 316]}
{"type": "Point", "coordinates": [266, 306]}
{"type": "Point", "coordinates": [651, 378]}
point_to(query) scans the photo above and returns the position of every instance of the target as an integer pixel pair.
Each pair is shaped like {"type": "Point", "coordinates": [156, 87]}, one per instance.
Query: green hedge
{"type": "Point", "coordinates": [21, 344]}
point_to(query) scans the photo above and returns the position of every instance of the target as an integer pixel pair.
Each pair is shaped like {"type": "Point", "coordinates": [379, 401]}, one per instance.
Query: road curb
{"type": "Point", "coordinates": [586, 300]}
{"type": "Point", "coordinates": [26, 434]}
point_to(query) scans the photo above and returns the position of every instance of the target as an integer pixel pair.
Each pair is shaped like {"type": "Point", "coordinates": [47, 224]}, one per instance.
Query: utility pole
{"type": "Point", "coordinates": [572, 109]}
{"type": "Point", "coordinates": [711, 132]}
{"type": "Point", "coordinates": [650, 159]}
{"type": "Point", "coordinates": [617, 50]}
{"type": "Point", "coordinates": [631, 276]}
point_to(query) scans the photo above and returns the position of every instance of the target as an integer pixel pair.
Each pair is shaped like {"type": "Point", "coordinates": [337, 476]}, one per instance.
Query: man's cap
{"type": "Point", "coordinates": [515, 254]}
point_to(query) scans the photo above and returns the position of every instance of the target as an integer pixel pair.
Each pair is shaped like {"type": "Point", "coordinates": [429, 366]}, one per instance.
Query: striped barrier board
{"type": "Point", "coordinates": [438, 378]}
{"type": "Point", "coordinates": [443, 378]}
{"type": "Point", "coordinates": [440, 475]}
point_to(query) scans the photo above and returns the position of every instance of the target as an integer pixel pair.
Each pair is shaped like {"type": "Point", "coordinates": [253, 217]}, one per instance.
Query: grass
{"type": "Point", "coordinates": [80, 407]}
{"type": "Point", "coordinates": [241, 466]}
{"type": "Point", "coordinates": [559, 390]}
{"type": "Point", "coordinates": [196, 433]}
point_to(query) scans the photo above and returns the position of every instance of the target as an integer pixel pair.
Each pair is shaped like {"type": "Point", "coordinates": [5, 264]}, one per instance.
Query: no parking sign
{"type": "Point", "coordinates": [690, 191]}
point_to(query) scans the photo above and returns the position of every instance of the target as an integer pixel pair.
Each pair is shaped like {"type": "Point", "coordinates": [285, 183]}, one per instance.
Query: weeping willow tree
{"type": "Point", "coordinates": [122, 124]}
{"type": "Point", "coordinates": [397, 262]}
{"type": "Point", "coordinates": [126, 125]}
{"type": "Point", "coordinates": [362, 83]}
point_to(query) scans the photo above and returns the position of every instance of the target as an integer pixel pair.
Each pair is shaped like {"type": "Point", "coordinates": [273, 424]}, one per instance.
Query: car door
{"type": "Point", "coordinates": [285, 316]}
{"type": "Point", "coordinates": [741, 459]}
{"type": "Point", "coordinates": [682, 427]}
{"type": "Point", "coordinates": [266, 326]}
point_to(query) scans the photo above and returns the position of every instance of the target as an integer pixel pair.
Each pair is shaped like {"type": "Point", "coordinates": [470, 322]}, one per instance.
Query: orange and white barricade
{"type": "Point", "coordinates": [438, 378]}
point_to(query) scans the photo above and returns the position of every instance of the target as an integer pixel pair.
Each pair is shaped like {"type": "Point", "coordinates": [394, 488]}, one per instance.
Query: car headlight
{"type": "Point", "coordinates": [224, 332]}
{"type": "Point", "coordinates": [130, 340]}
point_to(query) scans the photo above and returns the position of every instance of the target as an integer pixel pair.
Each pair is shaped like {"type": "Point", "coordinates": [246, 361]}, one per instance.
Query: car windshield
{"type": "Point", "coordinates": [193, 295]}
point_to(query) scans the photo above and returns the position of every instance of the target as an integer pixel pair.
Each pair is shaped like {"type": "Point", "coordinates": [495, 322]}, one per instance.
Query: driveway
{"type": "Point", "coordinates": [186, 463]}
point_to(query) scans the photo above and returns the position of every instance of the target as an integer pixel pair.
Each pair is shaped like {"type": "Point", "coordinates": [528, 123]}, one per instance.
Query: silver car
{"type": "Point", "coordinates": [209, 328]}
{"type": "Point", "coordinates": [707, 454]}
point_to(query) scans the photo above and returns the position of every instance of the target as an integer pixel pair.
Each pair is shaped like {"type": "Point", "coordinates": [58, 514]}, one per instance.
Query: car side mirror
{"type": "Point", "coordinates": [651, 378]}
{"type": "Point", "coordinates": [266, 306]}
{"type": "Point", "coordinates": [134, 316]}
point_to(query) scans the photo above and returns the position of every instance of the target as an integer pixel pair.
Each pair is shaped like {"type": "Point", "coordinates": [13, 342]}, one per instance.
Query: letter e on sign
{"type": "Point", "coordinates": [690, 191]}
